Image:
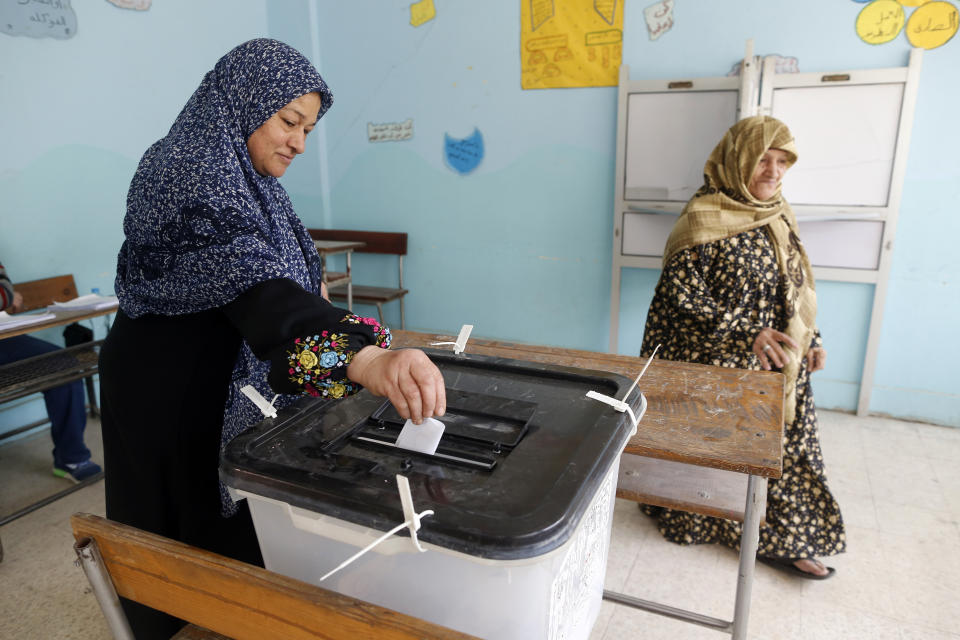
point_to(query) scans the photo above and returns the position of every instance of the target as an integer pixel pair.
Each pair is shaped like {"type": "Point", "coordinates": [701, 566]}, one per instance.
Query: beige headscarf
{"type": "Point", "coordinates": [724, 207]}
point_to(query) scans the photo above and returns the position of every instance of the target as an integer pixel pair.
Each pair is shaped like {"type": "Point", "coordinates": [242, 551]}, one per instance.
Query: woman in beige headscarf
{"type": "Point", "coordinates": [737, 291]}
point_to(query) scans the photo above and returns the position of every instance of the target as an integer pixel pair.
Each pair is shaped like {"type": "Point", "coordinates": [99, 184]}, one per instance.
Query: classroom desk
{"type": "Point", "coordinates": [331, 248]}
{"type": "Point", "coordinates": [62, 318]}
{"type": "Point", "coordinates": [708, 416]}
{"type": "Point", "coordinates": [15, 386]}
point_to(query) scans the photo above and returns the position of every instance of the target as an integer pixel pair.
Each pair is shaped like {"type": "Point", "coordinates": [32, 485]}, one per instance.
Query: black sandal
{"type": "Point", "coordinates": [787, 566]}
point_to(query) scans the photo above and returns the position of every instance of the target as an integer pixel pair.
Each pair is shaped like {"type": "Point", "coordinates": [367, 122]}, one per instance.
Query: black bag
{"type": "Point", "coordinates": [76, 334]}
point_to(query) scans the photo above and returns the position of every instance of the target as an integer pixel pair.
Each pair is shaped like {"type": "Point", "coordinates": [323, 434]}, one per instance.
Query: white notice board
{"type": "Point", "coordinates": [665, 131]}
{"type": "Point", "coordinates": [847, 139]}
{"type": "Point", "coordinates": [669, 136]}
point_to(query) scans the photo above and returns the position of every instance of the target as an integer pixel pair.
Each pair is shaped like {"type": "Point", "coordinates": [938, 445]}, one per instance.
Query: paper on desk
{"type": "Point", "coordinates": [12, 322]}
{"type": "Point", "coordinates": [422, 437]}
{"type": "Point", "coordinates": [89, 302]}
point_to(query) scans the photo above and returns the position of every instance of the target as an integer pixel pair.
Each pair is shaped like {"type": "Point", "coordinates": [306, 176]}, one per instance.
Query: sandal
{"type": "Point", "coordinates": [787, 566]}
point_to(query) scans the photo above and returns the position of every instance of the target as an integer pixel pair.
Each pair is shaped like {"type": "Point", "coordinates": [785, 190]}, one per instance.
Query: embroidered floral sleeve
{"type": "Point", "coordinates": [317, 364]}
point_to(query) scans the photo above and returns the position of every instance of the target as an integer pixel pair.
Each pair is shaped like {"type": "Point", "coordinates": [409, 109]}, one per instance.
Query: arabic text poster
{"type": "Point", "coordinates": [570, 43]}
{"type": "Point", "coordinates": [390, 131]}
{"type": "Point", "coordinates": [880, 21]}
{"type": "Point", "coordinates": [659, 18]}
{"type": "Point", "coordinates": [932, 25]}
{"type": "Point", "coordinates": [463, 155]}
{"type": "Point", "coordinates": [38, 19]}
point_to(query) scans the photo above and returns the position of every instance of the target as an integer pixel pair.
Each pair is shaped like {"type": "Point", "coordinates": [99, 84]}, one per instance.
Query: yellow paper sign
{"type": "Point", "coordinates": [570, 43]}
{"type": "Point", "coordinates": [880, 21]}
{"type": "Point", "coordinates": [421, 12]}
{"type": "Point", "coordinates": [912, 3]}
{"type": "Point", "coordinates": [932, 25]}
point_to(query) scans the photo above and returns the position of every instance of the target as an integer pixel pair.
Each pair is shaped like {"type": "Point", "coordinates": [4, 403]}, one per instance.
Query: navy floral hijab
{"type": "Point", "coordinates": [202, 226]}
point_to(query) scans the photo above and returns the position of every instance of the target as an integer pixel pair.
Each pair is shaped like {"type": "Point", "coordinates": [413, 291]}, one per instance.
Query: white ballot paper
{"type": "Point", "coordinates": [422, 437]}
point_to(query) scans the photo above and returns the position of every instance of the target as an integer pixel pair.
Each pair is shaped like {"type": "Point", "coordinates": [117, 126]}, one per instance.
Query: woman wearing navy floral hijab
{"type": "Point", "coordinates": [220, 287]}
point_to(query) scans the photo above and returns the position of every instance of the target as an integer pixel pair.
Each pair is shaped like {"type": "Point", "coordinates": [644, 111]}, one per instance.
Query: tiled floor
{"type": "Point", "coordinates": [898, 484]}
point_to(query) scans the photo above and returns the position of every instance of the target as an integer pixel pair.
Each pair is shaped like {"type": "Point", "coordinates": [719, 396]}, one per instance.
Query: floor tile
{"type": "Point", "coordinates": [914, 632]}
{"type": "Point", "coordinates": [823, 621]}
{"type": "Point", "coordinates": [907, 480]}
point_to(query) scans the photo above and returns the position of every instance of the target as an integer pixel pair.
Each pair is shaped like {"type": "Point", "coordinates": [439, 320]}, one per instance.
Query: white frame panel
{"type": "Point", "coordinates": [908, 77]}
{"type": "Point", "coordinates": [746, 85]}
{"type": "Point", "coordinates": [757, 96]}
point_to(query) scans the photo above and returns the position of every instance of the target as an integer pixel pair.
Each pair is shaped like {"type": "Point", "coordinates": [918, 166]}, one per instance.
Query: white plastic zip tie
{"type": "Point", "coordinates": [461, 344]}
{"type": "Point", "coordinates": [412, 521]}
{"type": "Point", "coordinates": [266, 407]}
{"type": "Point", "coordinates": [621, 405]}
{"type": "Point", "coordinates": [411, 518]}
{"type": "Point", "coordinates": [642, 371]}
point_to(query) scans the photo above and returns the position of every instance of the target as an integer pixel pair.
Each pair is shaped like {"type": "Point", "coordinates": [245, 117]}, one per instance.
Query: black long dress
{"type": "Point", "coordinates": [709, 304]}
{"type": "Point", "coordinates": [164, 382]}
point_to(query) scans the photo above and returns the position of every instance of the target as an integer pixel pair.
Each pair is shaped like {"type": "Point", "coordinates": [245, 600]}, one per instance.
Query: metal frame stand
{"type": "Point", "coordinates": [749, 540]}
{"type": "Point", "coordinates": [88, 557]}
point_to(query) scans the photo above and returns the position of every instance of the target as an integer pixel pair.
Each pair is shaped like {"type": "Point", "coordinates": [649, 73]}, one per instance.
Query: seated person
{"type": "Point", "coordinates": [65, 404]}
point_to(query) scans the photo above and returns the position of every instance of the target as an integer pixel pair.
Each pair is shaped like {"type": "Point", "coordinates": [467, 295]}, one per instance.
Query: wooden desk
{"type": "Point", "coordinates": [15, 383]}
{"type": "Point", "coordinates": [708, 416]}
{"type": "Point", "coordinates": [62, 318]}
{"type": "Point", "coordinates": [715, 417]}
{"type": "Point", "coordinates": [333, 247]}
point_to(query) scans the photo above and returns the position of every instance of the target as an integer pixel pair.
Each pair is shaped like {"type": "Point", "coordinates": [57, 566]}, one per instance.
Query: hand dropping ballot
{"type": "Point", "coordinates": [422, 437]}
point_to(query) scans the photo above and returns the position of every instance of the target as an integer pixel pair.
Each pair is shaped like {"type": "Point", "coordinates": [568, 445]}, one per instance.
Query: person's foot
{"type": "Point", "coordinates": [812, 566]}
{"type": "Point", "coordinates": [808, 568]}
{"type": "Point", "coordinates": [76, 472]}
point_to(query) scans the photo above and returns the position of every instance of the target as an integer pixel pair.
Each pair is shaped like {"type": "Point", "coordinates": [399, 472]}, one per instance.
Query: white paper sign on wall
{"type": "Point", "coordinates": [38, 19]}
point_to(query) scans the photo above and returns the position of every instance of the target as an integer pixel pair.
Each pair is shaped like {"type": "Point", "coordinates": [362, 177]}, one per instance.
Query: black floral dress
{"type": "Point", "coordinates": [709, 305]}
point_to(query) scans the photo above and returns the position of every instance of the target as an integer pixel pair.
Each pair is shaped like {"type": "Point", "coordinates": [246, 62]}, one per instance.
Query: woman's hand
{"type": "Point", "coordinates": [816, 359]}
{"type": "Point", "coordinates": [768, 349]}
{"type": "Point", "coordinates": [407, 377]}
{"type": "Point", "coordinates": [323, 291]}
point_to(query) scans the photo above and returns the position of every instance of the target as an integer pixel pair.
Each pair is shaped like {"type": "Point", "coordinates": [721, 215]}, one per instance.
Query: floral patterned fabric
{"type": "Point", "coordinates": [202, 226]}
{"type": "Point", "coordinates": [318, 363]}
{"type": "Point", "coordinates": [709, 304]}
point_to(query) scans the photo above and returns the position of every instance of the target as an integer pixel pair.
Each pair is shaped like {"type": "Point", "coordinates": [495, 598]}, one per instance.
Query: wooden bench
{"type": "Point", "coordinates": [381, 242]}
{"type": "Point", "coordinates": [50, 370]}
{"type": "Point", "coordinates": [685, 487]}
{"type": "Point", "coordinates": [219, 595]}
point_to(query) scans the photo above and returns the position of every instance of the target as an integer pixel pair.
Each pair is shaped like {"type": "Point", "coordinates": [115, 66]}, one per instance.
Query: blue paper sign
{"type": "Point", "coordinates": [463, 155]}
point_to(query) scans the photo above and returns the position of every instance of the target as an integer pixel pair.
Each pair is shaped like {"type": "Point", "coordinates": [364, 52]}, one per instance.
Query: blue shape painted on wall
{"type": "Point", "coordinates": [463, 155]}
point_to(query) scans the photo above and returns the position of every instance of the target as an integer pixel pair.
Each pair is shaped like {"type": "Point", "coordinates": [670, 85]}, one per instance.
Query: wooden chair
{"type": "Point", "coordinates": [225, 597]}
{"type": "Point", "coordinates": [381, 242]}
{"type": "Point", "coordinates": [38, 294]}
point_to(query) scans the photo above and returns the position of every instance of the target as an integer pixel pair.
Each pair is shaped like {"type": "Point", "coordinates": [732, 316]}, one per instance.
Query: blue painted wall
{"type": "Point", "coordinates": [520, 247]}
{"type": "Point", "coordinates": [77, 115]}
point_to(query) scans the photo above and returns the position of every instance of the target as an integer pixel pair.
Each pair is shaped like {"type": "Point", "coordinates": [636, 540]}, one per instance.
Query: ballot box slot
{"type": "Point", "coordinates": [479, 428]}
{"type": "Point", "coordinates": [442, 454]}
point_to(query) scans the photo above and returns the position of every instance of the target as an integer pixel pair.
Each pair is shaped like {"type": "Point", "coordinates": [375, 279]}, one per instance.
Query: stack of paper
{"type": "Point", "coordinates": [13, 322]}
{"type": "Point", "coordinates": [91, 302]}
